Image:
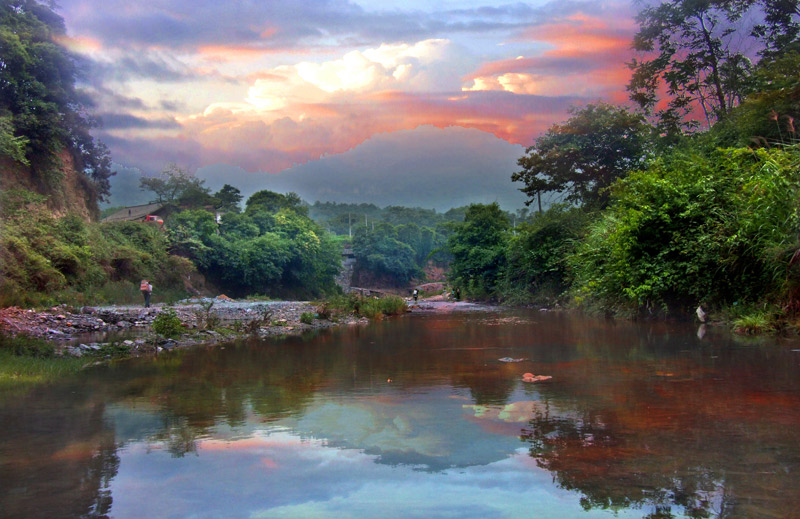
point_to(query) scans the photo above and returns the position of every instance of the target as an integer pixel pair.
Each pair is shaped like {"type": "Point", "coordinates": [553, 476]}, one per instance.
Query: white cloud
{"type": "Point", "coordinates": [403, 67]}
{"type": "Point", "coordinates": [388, 66]}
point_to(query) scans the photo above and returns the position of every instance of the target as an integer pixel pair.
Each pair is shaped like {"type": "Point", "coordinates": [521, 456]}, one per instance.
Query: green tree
{"type": "Point", "coordinates": [228, 198]}
{"type": "Point", "coordinates": [781, 26]}
{"type": "Point", "coordinates": [689, 41]}
{"type": "Point", "coordinates": [282, 254]}
{"type": "Point", "coordinates": [766, 117]}
{"type": "Point", "coordinates": [48, 114]}
{"type": "Point", "coordinates": [175, 185]}
{"type": "Point", "coordinates": [273, 202]}
{"type": "Point", "coordinates": [537, 255]}
{"type": "Point", "coordinates": [478, 246]}
{"type": "Point", "coordinates": [585, 155]}
{"type": "Point", "coordinates": [379, 251]}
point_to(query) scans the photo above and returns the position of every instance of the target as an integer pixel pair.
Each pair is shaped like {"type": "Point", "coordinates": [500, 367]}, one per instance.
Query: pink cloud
{"type": "Point", "coordinates": [587, 57]}
{"type": "Point", "coordinates": [268, 142]}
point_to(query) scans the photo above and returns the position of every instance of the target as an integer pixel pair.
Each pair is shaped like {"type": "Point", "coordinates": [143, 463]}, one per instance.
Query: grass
{"type": "Point", "coordinates": [755, 323]}
{"type": "Point", "coordinates": [377, 308]}
{"type": "Point", "coordinates": [19, 373]}
{"type": "Point", "coordinates": [369, 307]}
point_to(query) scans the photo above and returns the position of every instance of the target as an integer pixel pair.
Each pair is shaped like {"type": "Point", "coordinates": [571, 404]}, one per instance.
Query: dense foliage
{"type": "Point", "coordinates": [46, 260]}
{"type": "Point", "coordinates": [392, 245]}
{"type": "Point", "coordinates": [685, 217]}
{"type": "Point", "coordinates": [41, 110]}
{"type": "Point", "coordinates": [478, 248]}
{"type": "Point", "coordinates": [271, 248]}
{"type": "Point", "coordinates": [537, 255]}
{"type": "Point", "coordinates": [379, 251]}
{"type": "Point", "coordinates": [714, 229]}
{"type": "Point", "coordinates": [342, 218]}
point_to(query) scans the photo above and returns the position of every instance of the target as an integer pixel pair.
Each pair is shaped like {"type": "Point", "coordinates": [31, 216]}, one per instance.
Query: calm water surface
{"type": "Point", "coordinates": [417, 418]}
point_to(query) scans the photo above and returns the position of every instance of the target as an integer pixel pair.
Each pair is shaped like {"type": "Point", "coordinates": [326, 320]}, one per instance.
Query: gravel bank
{"type": "Point", "coordinates": [78, 331]}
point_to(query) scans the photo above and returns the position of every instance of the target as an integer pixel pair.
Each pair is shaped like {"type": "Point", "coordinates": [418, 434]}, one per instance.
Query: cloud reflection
{"type": "Point", "coordinates": [309, 478]}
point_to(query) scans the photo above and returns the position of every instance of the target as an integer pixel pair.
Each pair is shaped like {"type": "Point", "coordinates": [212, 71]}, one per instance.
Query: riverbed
{"type": "Point", "coordinates": [425, 415]}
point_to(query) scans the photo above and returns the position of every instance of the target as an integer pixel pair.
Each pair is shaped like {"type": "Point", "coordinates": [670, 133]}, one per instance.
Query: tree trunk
{"type": "Point", "coordinates": [723, 106]}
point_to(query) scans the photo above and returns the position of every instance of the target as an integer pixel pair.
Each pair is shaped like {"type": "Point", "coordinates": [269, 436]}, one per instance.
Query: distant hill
{"type": "Point", "coordinates": [426, 167]}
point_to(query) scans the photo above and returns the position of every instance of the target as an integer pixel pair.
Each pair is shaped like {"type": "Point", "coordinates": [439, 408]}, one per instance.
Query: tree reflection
{"type": "Point", "coordinates": [58, 456]}
{"type": "Point", "coordinates": [710, 448]}
{"type": "Point", "coordinates": [612, 472]}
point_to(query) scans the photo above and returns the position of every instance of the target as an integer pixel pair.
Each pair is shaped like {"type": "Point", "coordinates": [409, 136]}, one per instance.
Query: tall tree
{"type": "Point", "coordinates": [175, 185]}
{"type": "Point", "coordinates": [38, 94]}
{"type": "Point", "coordinates": [585, 155]}
{"type": "Point", "coordinates": [228, 198]}
{"type": "Point", "coordinates": [687, 48]}
{"type": "Point", "coordinates": [478, 247]}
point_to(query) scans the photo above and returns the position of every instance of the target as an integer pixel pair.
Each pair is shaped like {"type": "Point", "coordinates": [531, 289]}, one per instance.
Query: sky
{"type": "Point", "coordinates": [267, 85]}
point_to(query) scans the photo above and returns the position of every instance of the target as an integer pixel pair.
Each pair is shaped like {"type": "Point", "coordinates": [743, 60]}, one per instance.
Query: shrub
{"type": "Point", "coordinates": [44, 259]}
{"type": "Point", "coordinates": [694, 228]}
{"type": "Point", "coordinates": [307, 318]}
{"type": "Point", "coordinates": [168, 324]}
{"type": "Point", "coordinates": [753, 323]}
{"type": "Point", "coordinates": [536, 255]}
{"type": "Point", "coordinates": [376, 308]}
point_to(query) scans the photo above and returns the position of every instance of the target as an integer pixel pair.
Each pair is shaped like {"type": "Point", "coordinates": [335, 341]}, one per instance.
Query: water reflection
{"type": "Point", "coordinates": [417, 417]}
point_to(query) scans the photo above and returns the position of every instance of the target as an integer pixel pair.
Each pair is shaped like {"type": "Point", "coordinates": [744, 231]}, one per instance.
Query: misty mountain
{"type": "Point", "coordinates": [426, 167]}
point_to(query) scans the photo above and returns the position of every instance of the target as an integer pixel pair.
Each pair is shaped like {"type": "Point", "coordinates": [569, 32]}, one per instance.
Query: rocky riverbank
{"type": "Point", "coordinates": [104, 331]}
{"type": "Point", "coordinates": [128, 329]}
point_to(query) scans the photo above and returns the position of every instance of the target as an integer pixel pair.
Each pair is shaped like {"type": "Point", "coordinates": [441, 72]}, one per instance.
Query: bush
{"type": "Point", "coordinates": [369, 307]}
{"type": "Point", "coordinates": [478, 246]}
{"type": "Point", "coordinates": [715, 229]}
{"type": "Point", "coordinates": [376, 308]}
{"type": "Point", "coordinates": [307, 318]}
{"type": "Point", "coordinates": [536, 256]}
{"type": "Point", "coordinates": [168, 324]}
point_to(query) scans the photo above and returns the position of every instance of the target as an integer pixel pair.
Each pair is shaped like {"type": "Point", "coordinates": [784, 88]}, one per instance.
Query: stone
{"type": "Point", "coordinates": [74, 352]}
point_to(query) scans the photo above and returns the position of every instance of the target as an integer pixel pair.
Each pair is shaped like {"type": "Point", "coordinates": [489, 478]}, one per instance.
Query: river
{"type": "Point", "coordinates": [416, 417]}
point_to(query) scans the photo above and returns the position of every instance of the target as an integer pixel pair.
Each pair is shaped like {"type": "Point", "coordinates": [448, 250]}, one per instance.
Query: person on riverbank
{"type": "Point", "coordinates": [415, 293]}
{"type": "Point", "coordinates": [146, 289]}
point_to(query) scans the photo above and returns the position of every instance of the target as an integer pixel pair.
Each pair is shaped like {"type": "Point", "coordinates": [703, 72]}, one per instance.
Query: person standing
{"type": "Point", "coordinates": [146, 289]}
{"type": "Point", "coordinates": [415, 293]}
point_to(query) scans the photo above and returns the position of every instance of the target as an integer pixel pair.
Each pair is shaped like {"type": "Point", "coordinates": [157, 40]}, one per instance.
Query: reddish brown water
{"type": "Point", "coordinates": [417, 417]}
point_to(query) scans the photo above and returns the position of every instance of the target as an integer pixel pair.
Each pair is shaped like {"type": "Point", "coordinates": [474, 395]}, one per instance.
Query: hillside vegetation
{"type": "Point", "coordinates": [689, 200]}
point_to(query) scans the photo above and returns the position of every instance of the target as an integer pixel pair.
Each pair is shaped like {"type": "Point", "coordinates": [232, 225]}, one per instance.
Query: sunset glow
{"type": "Point", "coordinates": [264, 87]}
